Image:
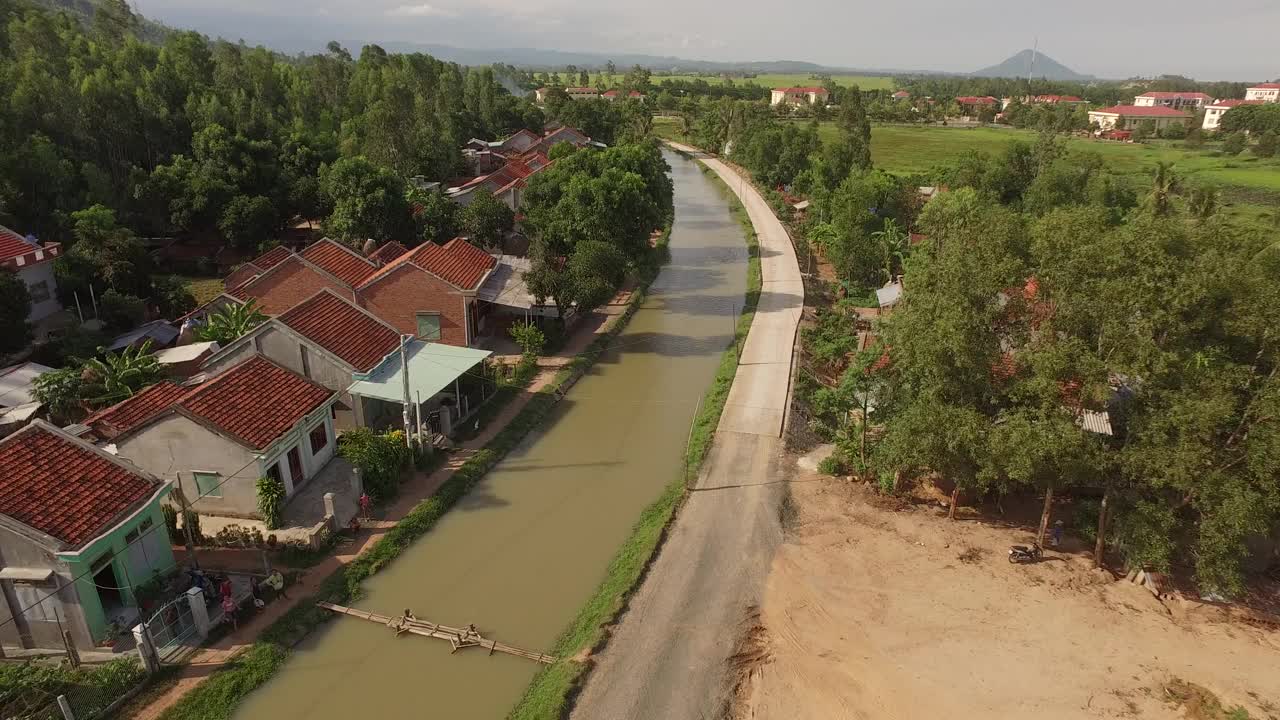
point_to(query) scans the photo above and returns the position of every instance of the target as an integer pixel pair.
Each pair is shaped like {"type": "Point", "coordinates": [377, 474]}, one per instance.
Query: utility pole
{"type": "Point", "coordinates": [404, 374]}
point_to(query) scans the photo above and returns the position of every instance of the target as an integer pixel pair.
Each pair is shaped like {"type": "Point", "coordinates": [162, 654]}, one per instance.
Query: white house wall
{"type": "Point", "coordinates": [34, 274]}
{"type": "Point", "coordinates": [175, 446]}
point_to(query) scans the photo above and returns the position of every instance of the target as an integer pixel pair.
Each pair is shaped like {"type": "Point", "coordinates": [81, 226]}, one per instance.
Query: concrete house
{"type": "Point", "coordinates": [32, 261]}
{"type": "Point", "coordinates": [1190, 101]}
{"type": "Point", "coordinates": [215, 438]}
{"type": "Point", "coordinates": [798, 96]}
{"type": "Point", "coordinates": [1263, 92]}
{"type": "Point", "coordinates": [326, 339]}
{"type": "Point", "coordinates": [80, 530]}
{"type": "Point", "coordinates": [430, 292]}
{"type": "Point", "coordinates": [1127, 117]}
{"type": "Point", "coordinates": [18, 405]}
{"type": "Point", "coordinates": [1213, 113]}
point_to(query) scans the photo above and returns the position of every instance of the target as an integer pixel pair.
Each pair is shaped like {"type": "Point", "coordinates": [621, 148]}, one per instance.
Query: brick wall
{"type": "Point", "coordinates": [401, 294]}
{"type": "Point", "coordinates": [289, 283]}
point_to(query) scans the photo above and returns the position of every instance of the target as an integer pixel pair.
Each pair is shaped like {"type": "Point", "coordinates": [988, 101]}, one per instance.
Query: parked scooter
{"type": "Point", "coordinates": [1024, 553]}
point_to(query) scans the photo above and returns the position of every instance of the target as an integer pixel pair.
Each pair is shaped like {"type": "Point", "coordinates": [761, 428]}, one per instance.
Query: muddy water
{"type": "Point", "coordinates": [521, 554]}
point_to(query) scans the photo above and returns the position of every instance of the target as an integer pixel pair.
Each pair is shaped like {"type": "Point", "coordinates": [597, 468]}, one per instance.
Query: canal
{"type": "Point", "coordinates": [528, 546]}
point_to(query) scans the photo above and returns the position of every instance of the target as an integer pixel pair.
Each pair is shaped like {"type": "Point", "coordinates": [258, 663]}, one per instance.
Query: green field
{"type": "Point", "coordinates": [1249, 184]}
{"type": "Point", "coordinates": [864, 82]}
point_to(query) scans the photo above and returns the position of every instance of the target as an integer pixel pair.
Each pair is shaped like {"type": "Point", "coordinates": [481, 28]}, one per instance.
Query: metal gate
{"type": "Point", "coordinates": [173, 630]}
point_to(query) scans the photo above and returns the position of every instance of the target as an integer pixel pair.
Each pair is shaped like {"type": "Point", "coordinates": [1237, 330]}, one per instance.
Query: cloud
{"type": "Point", "coordinates": [419, 10]}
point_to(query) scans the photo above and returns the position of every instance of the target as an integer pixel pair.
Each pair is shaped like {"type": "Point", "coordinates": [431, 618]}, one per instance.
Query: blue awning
{"type": "Point", "coordinates": [432, 367]}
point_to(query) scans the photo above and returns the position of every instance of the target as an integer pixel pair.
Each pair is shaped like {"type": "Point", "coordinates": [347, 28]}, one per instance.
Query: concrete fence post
{"type": "Point", "coordinates": [199, 611]}
{"type": "Point", "coordinates": [328, 507]}
{"type": "Point", "coordinates": [146, 651]}
{"type": "Point", "coordinates": [65, 707]}
{"type": "Point", "coordinates": [357, 483]}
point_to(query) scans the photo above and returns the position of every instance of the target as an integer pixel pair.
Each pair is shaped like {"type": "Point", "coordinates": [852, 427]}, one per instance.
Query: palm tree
{"type": "Point", "coordinates": [1164, 186]}
{"type": "Point", "coordinates": [116, 376]}
{"type": "Point", "coordinates": [230, 322]}
{"type": "Point", "coordinates": [894, 241]}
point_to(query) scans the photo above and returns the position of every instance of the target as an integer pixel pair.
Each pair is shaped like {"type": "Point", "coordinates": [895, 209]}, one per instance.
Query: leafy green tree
{"type": "Point", "coordinates": [435, 216]}
{"type": "Point", "coordinates": [1164, 185]}
{"type": "Point", "coordinates": [15, 308]}
{"type": "Point", "coordinates": [115, 376]}
{"type": "Point", "coordinates": [487, 220]}
{"type": "Point", "coordinates": [104, 254]}
{"type": "Point", "coordinates": [120, 312]}
{"type": "Point", "coordinates": [60, 391]}
{"type": "Point", "coordinates": [247, 222]}
{"type": "Point", "coordinates": [1234, 143]}
{"type": "Point", "coordinates": [230, 322]}
{"type": "Point", "coordinates": [368, 201]}
{"type": "Point", "coordinates": [172, 296]}
{"type": "Point", "coordinates": [1268, 143]}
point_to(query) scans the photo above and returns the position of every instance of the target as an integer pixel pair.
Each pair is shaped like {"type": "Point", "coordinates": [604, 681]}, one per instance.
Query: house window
{"type": "Point", "coordinates": [39, 291]}
{"type": "Point", "coordinates": [319, 438]}
{"type": "Point", "coordinates": [39, 607]}
{"type": "Point", "coordinates": [208, 484]}
{"type": "Point", "coordinates": [429, 326]}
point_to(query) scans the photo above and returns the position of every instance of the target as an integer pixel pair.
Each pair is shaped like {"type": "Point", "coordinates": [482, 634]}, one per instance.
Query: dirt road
{"type": "Point", "coordinates": [667, 656]}
{"type": "Point", "coordinates": [894, 612]}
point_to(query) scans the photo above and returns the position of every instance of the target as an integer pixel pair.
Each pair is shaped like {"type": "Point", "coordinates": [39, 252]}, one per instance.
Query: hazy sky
{"type": "Point", "coordinates": [1226, 39]}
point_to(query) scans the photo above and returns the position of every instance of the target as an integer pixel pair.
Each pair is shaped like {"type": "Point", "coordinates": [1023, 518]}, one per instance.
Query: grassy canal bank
{"type": "Point", "coordinates": [549, 693]}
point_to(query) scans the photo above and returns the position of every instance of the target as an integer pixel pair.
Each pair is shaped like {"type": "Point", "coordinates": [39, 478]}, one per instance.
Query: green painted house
{"type": "Point", "coordinates": [80, 530]}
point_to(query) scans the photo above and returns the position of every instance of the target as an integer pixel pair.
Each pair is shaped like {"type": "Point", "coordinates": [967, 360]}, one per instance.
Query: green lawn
{"type": "Point", "coordinates": [205, 289]}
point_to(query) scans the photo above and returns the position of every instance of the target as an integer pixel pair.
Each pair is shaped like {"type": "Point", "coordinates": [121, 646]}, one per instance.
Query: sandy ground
{"type": "Point", "coordinates": [870, 612]}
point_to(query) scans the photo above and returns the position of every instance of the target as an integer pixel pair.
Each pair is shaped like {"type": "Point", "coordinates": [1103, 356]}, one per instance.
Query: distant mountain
{"type": "Point", "coordinates": [1045, 67]}
{"type": "Point", "coordinates": [538, 59]}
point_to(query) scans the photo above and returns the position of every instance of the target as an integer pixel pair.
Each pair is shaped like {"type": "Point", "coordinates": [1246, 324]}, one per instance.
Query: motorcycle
{"type": "Point", "coordinates": [1024, 553]}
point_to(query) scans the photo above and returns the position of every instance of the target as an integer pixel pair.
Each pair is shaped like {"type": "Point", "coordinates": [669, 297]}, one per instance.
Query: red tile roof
{"type": "Point", "coordinates": [1234, 103]}
{"type": "Point", "coordinates": [1135, 111]}
{"type": "Point", "coordinates": [819, 90]}
{"type": "Point", "coordinates": [343, 329]}
{"type": "Point", "coordinates": [256, 401]}
{"type": "Point", "coordinates": [136, 410]}
{"type": "Point", "coordinates": [339, 261]}
{"type": "Point", "coordinates": [12, 245]}
{"type": "Point", "coordinates": [1176, 95]}
{"type": "Point", "coordinates": [62, 488]}
{"type": "Point", "coordinates": [1265, 86]}
{"type": "Point", "coordinates": [272, 257]}
{"type": "Point", "coordinates": [388, 252]}
{"type": "Point", "coordinates": [457, 262]}
{"type": "Point", "coordinates": [971, 100]}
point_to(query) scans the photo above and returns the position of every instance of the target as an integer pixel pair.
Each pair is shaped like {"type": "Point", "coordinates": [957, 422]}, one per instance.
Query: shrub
{"type": "Point", "coordinates": [1234, 143]}
{"type": "Point", "coordinates": [832, 464]}
{"type": "Point", "coordinates": [119, 311]}
{"type": "Point", "coordinates": [380, 458]}
{"type": "Point", "coordinates": [271, 501]}
{"type": "Point", "coordinates": [529, 337]}
{"type": "Point", "coordinates": [171, 524]}
{"type": "Point", "coordinates": [1267, 144]}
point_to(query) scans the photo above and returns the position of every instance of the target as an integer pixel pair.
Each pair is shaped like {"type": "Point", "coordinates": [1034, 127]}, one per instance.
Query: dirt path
{"type": "Point", "coordinates": [666, 657]}
{"type": "Point", "coordinates": [896, 613]}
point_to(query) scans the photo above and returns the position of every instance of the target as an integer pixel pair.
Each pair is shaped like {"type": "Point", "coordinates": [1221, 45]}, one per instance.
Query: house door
{"type": "Point", "coordinates": [295, 467]}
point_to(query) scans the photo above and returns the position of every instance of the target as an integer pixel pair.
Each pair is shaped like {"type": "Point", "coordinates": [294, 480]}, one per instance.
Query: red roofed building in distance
{"type": "Point", "coordinates": [79, 530]}
{"type": "Point", "coordinates": [1263, 92]}
{"type": "Point", "coordinates": [971, 105]}
{"type": "Point", "coordinates": [902, 95]}
{"type": "Point", "coordinates": [799, 96]}
{"type": "Point", "coordinates": [1175, 100]}
{"type": "Point", "coordinates": [1058, 100]}
{"type": "Point", "coordinates": [1127, 117]}
{"type": "Point", "coordinates": [1213, 112]}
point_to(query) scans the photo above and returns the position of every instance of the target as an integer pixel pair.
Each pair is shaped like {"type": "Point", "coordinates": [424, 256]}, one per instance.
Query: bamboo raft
{"type": "Point", "coordinates": [459, 638]}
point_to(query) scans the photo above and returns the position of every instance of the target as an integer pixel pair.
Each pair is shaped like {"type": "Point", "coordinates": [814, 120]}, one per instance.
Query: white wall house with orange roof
{"type": "Point", "coordinates": [798, 96]}
{"type": "Point", "coordinates": [1263, 92]}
